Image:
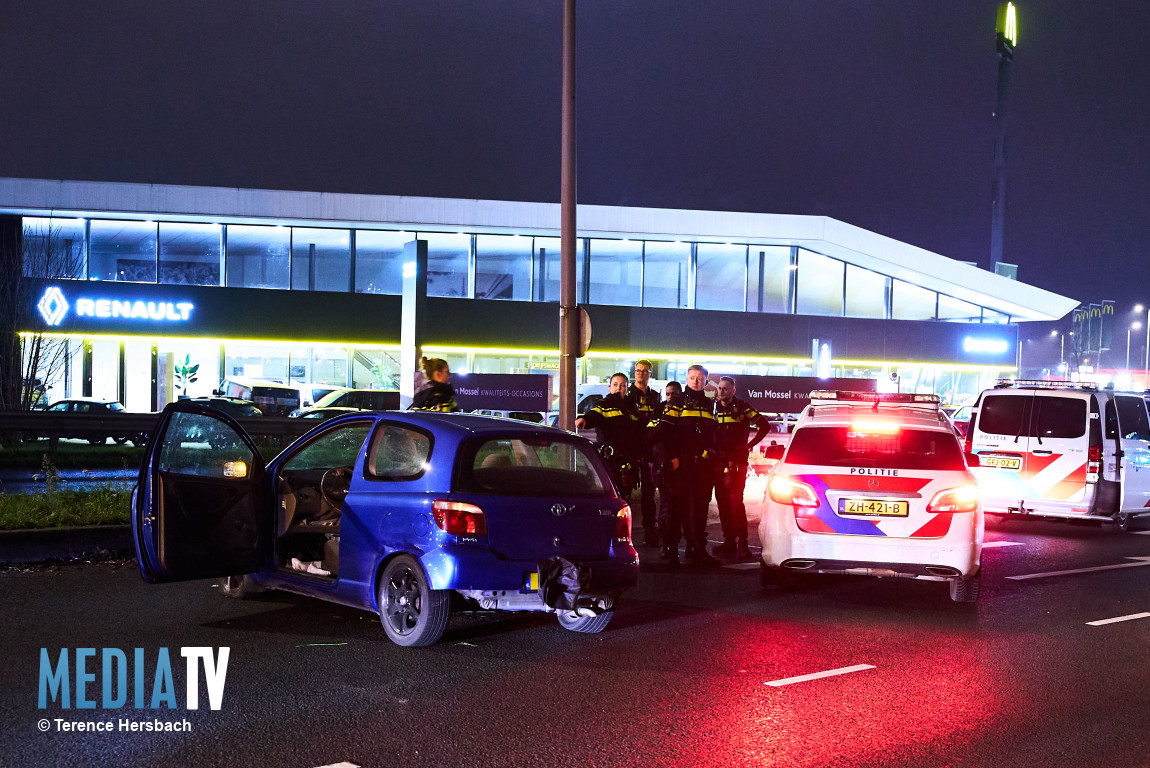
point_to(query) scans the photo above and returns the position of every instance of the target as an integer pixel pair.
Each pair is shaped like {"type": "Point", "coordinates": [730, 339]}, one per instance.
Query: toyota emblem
{"type": "Point", "coordinates": [559, 509]}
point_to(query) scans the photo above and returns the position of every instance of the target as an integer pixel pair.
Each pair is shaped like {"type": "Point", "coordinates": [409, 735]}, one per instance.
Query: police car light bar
{"type": "Point", "coordinates": [1045, 384]}
{"type": "Point", "coordinates": [828, 396]}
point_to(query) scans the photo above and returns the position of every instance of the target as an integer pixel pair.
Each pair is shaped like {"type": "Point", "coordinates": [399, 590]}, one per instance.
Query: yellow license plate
{"type": "Point", "coordinates": [532, 580]}
{"type": "Point", "coordinates": [874, 507]}
{"type": "Point", "coordinates": [1001, 462]}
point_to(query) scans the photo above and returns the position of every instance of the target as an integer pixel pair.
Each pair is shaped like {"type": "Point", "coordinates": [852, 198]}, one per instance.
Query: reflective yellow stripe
{"type": "Point", "coordinates": [696, 413]}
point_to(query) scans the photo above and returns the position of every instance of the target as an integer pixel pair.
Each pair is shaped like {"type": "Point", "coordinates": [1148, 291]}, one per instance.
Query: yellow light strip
{"type": "Point", "coordinates": [462, 350]}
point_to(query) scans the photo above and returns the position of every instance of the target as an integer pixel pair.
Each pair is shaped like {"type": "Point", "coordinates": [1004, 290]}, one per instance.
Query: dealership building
{"type": "Point", "coordinates": [136, 279]}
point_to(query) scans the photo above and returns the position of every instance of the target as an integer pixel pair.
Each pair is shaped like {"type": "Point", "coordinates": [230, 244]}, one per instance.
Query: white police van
{"type": "Point", "coordinates": [876, 485]}
{"type": "Point", "coordinates": [1062, 450]}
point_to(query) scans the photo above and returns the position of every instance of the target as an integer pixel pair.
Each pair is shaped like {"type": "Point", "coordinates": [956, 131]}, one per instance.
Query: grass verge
{"type": "Point", "coordinates": [61, 509]}
{"type": "Point", "coordinates": [71, 456]}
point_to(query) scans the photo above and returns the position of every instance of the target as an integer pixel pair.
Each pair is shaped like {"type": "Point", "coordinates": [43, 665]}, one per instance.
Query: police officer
{"type": "Point", "coordinates": [669, 516]}
{"type": "Point", "coordinates": [438, 395]}
{"type": "Point", "coordinates": [684, 438]}
{"type": "Point", "coordinates": [734, 420]}
{"type": "Point", "coordinates": [615, 420]}
{"type": "Point", "coordinates": [647, 407]}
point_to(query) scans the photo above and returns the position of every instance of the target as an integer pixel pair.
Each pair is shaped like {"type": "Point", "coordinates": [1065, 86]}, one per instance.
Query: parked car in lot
{"type": "Point", "coordinates": [873, 484]}
{"type": "Point", "coordinates": [274, 398]}
{"type": "Point", "coordinates": [94, 407]}
{"type": "Point", "coordinates": [1062, 450]}
{"type": "Point", "coordinates": [321, 414]}
{"type": "Point", "coordinates": [232, 406]}
{"type": "Point", "coordinates": [392, 512]}
{"type": "Point", "coordinates": [358, 399]}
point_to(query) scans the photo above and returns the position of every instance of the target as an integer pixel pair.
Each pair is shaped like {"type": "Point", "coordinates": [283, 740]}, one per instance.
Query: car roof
{"type": "Point", "coordinates": [465, 423]}
{"type": "Point", "coordinates": [844, 415]}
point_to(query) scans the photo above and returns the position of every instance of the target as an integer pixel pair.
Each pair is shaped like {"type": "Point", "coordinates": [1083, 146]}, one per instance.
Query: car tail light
{"type": "Point", "coordinates": [784, 490]}
{"type": "Point", "coordinates": [459, 518]}
{"type": "Point", "coordinates": [623, 523]}
{"type": "Point", "coordinates": [969, 449]}
{"type": "Point", "coordinates": [1093, 463]}
{"type": "Point", "coordinates": [964, 498]}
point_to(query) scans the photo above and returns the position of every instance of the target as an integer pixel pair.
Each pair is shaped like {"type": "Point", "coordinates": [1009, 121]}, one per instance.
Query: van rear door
{"type": "Point", "coordinates": [1057, 453]}
{"type": "Point", "coordinates": [999, 434]}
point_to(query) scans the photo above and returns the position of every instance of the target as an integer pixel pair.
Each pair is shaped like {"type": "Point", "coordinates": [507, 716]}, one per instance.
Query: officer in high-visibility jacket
{"type": "Point", "coordinates": [647, 408]}
{"type": "Point", "coordinates": [614, 419]}
{"type": "Point", "coordinates": [684, 440]}
{"type": "Point", "coordinates": [734, 420]}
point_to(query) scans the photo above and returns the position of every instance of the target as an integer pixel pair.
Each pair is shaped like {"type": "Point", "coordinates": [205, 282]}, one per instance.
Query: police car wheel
{"type": "Point", "coordinates": [965, 590]}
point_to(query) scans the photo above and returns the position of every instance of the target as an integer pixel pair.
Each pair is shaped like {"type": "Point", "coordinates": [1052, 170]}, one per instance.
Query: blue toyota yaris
{"type": "Point", "coordinates": [389, 512]}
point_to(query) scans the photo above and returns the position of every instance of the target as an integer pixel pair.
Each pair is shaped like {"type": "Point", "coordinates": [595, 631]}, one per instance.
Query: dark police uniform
{"type": "Point", "coordinates": [615, 420]}
{"type": "Point", "coordinates": [733, 425]}
{"type": "Point", "coordinates": [647, 408]}
{"type": "Point", "coordinates": [686, 432]}
{"type": "Point", "coordinates": [435, 397]}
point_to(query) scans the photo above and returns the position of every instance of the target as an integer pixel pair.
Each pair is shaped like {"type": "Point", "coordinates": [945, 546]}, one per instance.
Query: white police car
{"type": "Point", "coordinates": [873, 484]}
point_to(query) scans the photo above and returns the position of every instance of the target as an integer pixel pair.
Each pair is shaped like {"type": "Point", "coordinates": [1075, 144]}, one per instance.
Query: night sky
{"type": "Point", "coordinates": [878, 113]}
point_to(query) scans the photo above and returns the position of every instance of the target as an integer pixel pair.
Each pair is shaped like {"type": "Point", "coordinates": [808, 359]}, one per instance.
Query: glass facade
{"type": "Point", "coordinates": [769, 279]}
{"type": "Point", "coordinates": [258, 257]}
{"type": "Point", "coordinates": [820, 285]}
{"type": "Point", "coordinates": [721, 276]}
{"type": "Point", "coordinates": [379, 261]}
{"type": "Point", "coordinates": [666, 269]}
{"type": "Point", "coordinates": [122, 250]}
{"type": "Point", "coordinates": [616, 272]}
{"type": "Point", "coordinates": [190, 253]}
{"type": "Point", "coordinates": [320, 259]}
{"type": "Point", "coordinates": [868, 293]}
{"type": "Point", "coordinates": [503, 267]}
{"type": "Point", "coordinates": [55, 248]}
{"type": "Point", "coordinates": [911, 302]}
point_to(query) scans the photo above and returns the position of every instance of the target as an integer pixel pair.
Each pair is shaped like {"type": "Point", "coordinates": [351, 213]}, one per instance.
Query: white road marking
{"type": "Point", "coordinates": [752, 546]}
{"type": "Point", "coordinates": [742, 566]}
{"type": "Point", "coordinates": [1140, 533]}
{"type": "Point", "coordinates": [996, 544]}
{"type": "Point", "coordinates": [344, 764]}
{"type": "Point", "coordinates": [1117, 619]}
{"type": "Point", "coordinates": [1141, 562]}
{"type": "Point", "coordinates": [818, 675]}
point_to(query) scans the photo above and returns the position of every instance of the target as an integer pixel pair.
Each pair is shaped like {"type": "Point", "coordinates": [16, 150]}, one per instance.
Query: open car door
{"type": "Point", "coordinates": [200, 508]}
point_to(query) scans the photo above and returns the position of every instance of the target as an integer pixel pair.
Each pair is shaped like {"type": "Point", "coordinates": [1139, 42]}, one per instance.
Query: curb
{"type": "Point", "coordinates": [34, 545]}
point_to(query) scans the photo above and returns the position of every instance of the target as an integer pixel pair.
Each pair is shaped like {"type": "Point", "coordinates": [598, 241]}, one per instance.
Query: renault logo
{"type": "Point", "coordinates": [53, 306]}
{"type": "Point", "coordinates": [559, 510]}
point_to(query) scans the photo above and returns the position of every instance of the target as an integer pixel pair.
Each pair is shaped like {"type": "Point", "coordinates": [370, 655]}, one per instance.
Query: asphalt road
{"type": "Point", "coordinates": [678, 679]}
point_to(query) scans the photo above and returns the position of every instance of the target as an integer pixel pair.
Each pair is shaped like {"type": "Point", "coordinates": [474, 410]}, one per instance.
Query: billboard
{"type": "Point", "coordinates": [788, 394]}
{"type": "Point", "coordinates": [502, 391]}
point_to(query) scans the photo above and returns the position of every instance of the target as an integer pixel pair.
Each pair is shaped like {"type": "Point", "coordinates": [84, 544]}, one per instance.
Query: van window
{"type": "Point", "coordinates": [1060, 417]}
{"type": "Point", "coordinates": [1111, 421]}
{"type": "Point", "coordinates": [904, 449]}
{"type": "Point", "coordinates": [1132, 418]}
{"type": "Point", "coordinates": [1004, 415]}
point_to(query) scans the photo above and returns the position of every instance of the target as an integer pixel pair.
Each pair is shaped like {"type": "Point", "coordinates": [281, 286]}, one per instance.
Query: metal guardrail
{"type": "Point", "coordinates": [130, 426]}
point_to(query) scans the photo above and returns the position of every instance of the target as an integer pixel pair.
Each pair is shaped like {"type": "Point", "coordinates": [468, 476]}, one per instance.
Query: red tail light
{"type": "Point", "coordinates": [1093, 463]}
{"type": "Point", "coordinates": [784, 490]}
{"type": "Point", "coordinates": [964, 498]}
{"type": "Point", "coordinates": [969, 449]}
{"type": "Point", "coordinates": [623, 523]}
{"type": "Point", "coordinates": [458, 518]}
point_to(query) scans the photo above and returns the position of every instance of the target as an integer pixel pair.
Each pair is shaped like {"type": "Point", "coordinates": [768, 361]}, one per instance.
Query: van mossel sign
{"type": "Point", "coordinates": [54, 306]}
{"type": "Point", "coordinates": [789, 394]}
{"type": "Point", "coordinates": [503, 391]}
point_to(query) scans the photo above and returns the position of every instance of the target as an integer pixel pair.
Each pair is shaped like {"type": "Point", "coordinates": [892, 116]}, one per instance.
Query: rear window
{"type": "Point", "coordinates": [1060, 417]}
{"type": "Point", "coordinates": [1004, 415]}
{"type": "Point", "coordinates": [903, 449]}
{"type": "Point", "coordinates": [531, 467]}
{"type": "Point", "coordinates": [1132, 418]}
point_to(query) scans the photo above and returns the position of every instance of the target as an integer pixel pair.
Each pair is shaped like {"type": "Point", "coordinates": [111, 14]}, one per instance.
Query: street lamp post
{"type": "Point", "coordinates": [1133, 327]}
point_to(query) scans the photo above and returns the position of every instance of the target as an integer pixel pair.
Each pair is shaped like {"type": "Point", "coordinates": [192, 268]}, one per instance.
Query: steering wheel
{"type": "Point", "coordinates": [334, 484]}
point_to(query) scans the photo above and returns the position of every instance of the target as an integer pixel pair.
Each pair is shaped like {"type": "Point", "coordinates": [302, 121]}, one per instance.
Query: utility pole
{"type": "Point", "coordinates": [1006, 37]}
{"type": "Point", "coordinates": [568, 308]}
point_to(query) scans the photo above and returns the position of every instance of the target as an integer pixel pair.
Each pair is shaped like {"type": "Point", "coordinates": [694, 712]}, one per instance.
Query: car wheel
{"type": "Point", "coordinates": [775, 578]}
{"type": "Point", "coordinates": [413, 614]}
{"type": "Point", "coordinates": [965, 590]}
{"type": "Point", "coordinates": [239, 587]}
{"type": "Point", "coordinates": [587, 624]}
{"type": "Point", "coordinates": [1124, 521]}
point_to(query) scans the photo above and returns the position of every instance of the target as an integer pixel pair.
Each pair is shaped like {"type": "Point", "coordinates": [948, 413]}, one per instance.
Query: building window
{"type": "Point", "coordinates": [257, 257]}
{"type": "Point", "coordinates": [320, 259]}
{"type": "Point", "coordinates": [254, 361]}
{"type": "Point", "coordinates": [190, 253]}
{"type": "Point", "coordinates": [616, 272]}
{"type": "Point", "coordinates": [123, 251]}
{"type": "Point", "coordinates": [769, 278]}
{"type": "Point", "coordinates": [447, 261]}
{"type": "Point", "coordinates": [379, 261]}
{"type": "Point", "coordinates": [957, 310]}
{"type": "Point", "coordinates": [547, 264]}
{"type": "Point", "coordinates": [720, 276]}
{"type": "Point", "coordinates": [820, 285]}
{"type": "Point", "coordinates": [503, 267]}
{"type": "Point", "coordinates": [911, 302]}
{"type": "Point", "coordinates": [665, 269]}
{"type": "Point", "coordinates": [866, 292]}
{"type": "Point", "coordinates": [54, 248]}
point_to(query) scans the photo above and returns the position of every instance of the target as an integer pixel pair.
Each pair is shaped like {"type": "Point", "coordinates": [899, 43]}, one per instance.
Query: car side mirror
{"type": "Point", "coordinates": [972, 460]}
{"type": "Point", "coordinates": [775, 451]}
